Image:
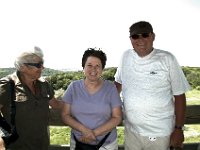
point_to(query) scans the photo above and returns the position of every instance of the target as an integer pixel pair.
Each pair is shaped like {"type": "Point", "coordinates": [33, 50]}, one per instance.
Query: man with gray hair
{"type": "Point", "coordinates": [34, 95]}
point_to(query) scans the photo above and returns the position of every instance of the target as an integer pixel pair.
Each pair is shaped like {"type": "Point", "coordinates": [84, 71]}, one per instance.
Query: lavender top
{"type": "Point", "coordinates": [92, 110]}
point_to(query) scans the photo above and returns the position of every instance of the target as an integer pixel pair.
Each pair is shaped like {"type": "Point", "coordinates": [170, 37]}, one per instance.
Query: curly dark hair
{"type": "Point", "coordinates": [95, 53]}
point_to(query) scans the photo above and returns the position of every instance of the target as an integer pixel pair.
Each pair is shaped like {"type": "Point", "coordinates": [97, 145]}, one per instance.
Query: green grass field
{"type": "Point", "coordinates": [193, 97]}
{"type": "Point", "coordinates": [61, 135]}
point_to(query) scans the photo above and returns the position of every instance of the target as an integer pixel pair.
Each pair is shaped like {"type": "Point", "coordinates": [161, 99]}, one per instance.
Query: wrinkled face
{"type": "Point", "coordinates": [93, 68]}
{"type": "Point", "coordinates": [142, 43]}
{"type": "Point", "coordinates": [34, 69]}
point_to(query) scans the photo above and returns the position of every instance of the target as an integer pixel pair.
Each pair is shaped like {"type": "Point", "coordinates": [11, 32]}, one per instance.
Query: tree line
{"type": "Point", "coordinates": [61, 79]}
{"type": "Point", "coordinates": [47, 71]}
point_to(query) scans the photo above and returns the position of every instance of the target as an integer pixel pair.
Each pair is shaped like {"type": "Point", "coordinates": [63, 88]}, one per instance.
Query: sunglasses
{"type": "Point", "coordinates": [37, 65]}
{"type": "Point", "coordinates": [137, 36]}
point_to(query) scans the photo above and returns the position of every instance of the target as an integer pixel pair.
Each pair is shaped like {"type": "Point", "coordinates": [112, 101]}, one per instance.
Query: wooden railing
{"type": "Point", "coordinates": [192, 117]}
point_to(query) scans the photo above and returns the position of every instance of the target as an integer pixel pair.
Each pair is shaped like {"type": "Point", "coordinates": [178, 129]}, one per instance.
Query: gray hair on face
{"type": "Point", "coordinates": [28, 57]}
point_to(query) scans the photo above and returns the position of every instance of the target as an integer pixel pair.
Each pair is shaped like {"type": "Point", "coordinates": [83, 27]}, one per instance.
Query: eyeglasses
{"type": "Point", "coordinates": [37, 65]}
{"type": "Point", "coordinates": [137, 36]}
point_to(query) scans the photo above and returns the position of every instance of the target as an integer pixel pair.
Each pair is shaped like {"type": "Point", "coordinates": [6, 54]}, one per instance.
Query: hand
{"type": "Point", "coordinates": [177, 148]}
{"type": "Point", "coordinates": [86, 140]}
{"type": "Point", "coordinates": [2, 145]}
{"type": "Point", "coordinates": [177, 138]}
{"type": "Point", "coordinates": [88, 136]}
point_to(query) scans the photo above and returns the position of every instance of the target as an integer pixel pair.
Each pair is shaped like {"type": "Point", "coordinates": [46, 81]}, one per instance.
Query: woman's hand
{"type": "Point", "coordinates": [88, 135]}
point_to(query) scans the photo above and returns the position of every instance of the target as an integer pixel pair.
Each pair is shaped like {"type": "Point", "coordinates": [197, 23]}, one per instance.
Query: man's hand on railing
{"type": "Point", "coordinates": [177, 138]}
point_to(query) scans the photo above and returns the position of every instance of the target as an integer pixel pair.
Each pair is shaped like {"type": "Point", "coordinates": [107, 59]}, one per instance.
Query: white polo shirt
{"type": "Point", "coordinates": [148, 86]}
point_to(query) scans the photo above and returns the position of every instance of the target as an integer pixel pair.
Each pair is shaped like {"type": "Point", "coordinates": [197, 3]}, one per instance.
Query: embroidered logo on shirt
{"type": "Point", "coordinates": [153, 72]}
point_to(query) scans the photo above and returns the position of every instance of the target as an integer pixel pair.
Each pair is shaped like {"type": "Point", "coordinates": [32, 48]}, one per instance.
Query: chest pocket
{"type": "Point", "coordinates": [20, 97]}
{"type": "Point", "coordinates": [23, 94]}
{"type": "Point", "coordinates": [20, 94]}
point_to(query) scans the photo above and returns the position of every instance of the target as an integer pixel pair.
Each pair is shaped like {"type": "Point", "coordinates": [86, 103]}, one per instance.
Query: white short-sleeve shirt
{"type": "Point", "coordinates": [148, 86]}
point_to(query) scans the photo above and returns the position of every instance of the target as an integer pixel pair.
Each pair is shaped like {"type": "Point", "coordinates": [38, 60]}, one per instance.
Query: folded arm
{"type": "Point", "coordinates": [73, 123]}
{"type": "Point", "coordinates": [114, 121]}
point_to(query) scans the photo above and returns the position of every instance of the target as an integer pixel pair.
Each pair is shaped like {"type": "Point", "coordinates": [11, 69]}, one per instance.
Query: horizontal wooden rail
{"type": "Point", "coordinates": [191, 146]}
{"type": "Point", "coordinates": [193, 114]}
{"type": "Point", "coordinates": [192, 117]}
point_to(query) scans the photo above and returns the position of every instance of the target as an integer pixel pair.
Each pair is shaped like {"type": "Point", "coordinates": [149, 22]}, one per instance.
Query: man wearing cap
{"type": "Point", "coordinates": [153, 90]}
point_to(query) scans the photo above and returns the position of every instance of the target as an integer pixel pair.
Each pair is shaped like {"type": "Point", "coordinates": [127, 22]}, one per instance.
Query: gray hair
{"type": "Point", "coordinates": [28, 57]}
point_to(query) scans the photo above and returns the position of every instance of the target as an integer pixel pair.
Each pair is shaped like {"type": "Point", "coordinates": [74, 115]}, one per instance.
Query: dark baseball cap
{"type": "Point", "coordinates": [140, 27]}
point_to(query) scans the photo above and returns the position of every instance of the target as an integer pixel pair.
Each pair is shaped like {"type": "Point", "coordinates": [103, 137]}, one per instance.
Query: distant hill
{"type": "Point", "coordinates": [47, 71]}
{"type": "Point", "coordinates": [62, 78]}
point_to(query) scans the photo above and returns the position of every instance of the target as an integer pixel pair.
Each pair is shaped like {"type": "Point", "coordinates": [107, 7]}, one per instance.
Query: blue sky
{"type": "Point", "coordinates": [64, 29]}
